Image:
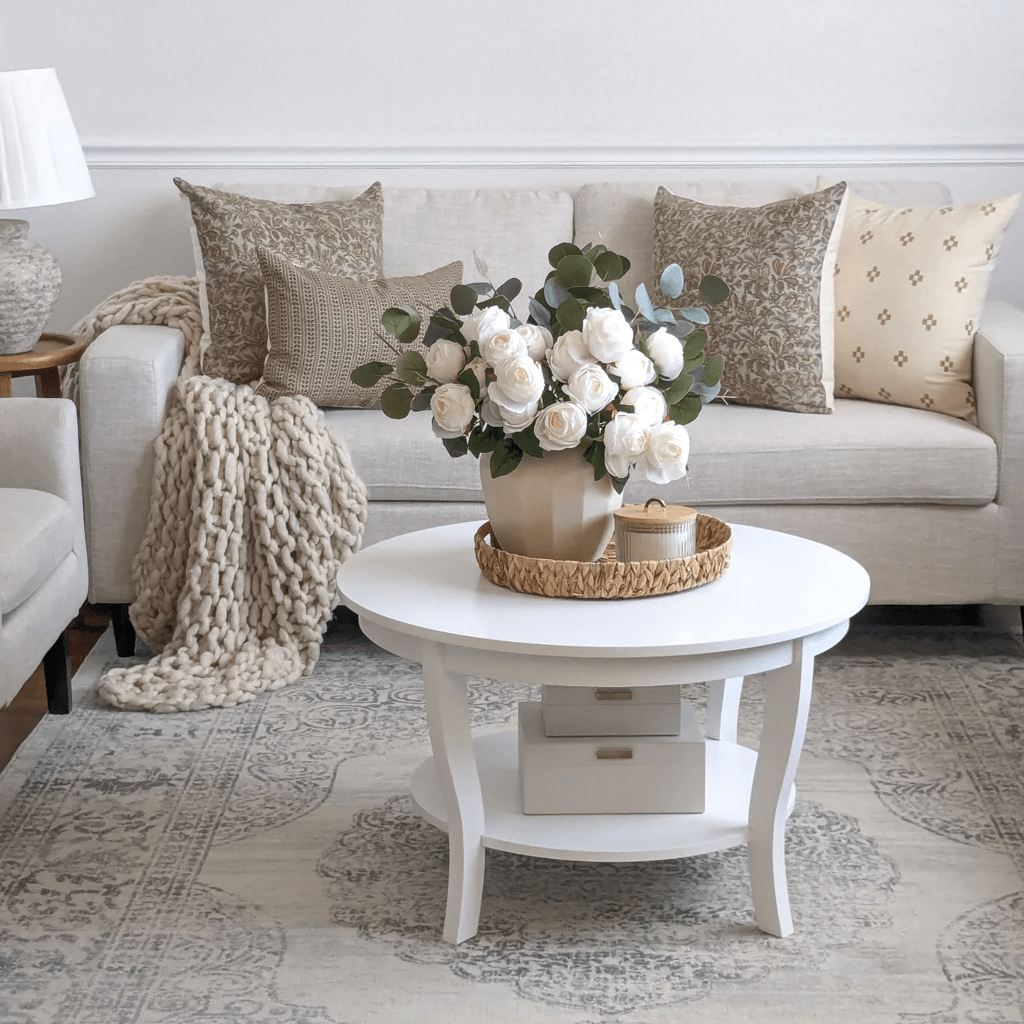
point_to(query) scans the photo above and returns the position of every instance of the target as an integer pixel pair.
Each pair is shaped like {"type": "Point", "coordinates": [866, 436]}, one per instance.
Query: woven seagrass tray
{"type": "Point", "coordinates": [607, 578]}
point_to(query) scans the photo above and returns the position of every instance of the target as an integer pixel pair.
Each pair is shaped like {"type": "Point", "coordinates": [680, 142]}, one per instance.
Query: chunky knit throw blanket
{"type": "Point", "coordinates": [254, 509]}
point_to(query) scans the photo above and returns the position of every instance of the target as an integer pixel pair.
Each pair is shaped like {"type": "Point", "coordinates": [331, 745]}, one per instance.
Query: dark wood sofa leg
{"type": "Point", "coordinates": [57, 673]}
{"type": "Point", "coordinates": [124, 631]}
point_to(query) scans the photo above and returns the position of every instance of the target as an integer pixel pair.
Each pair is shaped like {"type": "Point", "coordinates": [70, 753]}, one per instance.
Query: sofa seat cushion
{"type": "Point", "coordinates": [864, 453]}
{"type": "Point", "coordinates": [36, 534]}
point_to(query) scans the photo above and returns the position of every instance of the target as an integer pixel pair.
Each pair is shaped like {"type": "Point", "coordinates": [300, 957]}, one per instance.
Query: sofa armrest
{"type": "Point", "coordinates": [125, 381]}
{"type": "Point", "coordinates": [999, 392]}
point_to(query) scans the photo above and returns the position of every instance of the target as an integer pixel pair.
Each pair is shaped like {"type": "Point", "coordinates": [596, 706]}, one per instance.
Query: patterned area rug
{"type": "Point", "coordinates": [264, 864]}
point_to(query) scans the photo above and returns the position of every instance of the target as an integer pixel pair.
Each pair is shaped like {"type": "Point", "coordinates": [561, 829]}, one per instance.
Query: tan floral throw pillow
{"type": "Point", "coordinates": [910, 288]}
{"type": "Point", "coordinates": [775, 329]}
{"type": "Point", "coordinates": [340, 236]}
{"type": "Point", "coordinates": [323, 326]}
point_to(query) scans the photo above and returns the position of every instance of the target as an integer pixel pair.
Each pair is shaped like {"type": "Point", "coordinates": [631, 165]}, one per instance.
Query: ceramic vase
{"type": "Point", "coordinates": [29, 286]}
{"type": "Point", "coordinates": [551, 507]}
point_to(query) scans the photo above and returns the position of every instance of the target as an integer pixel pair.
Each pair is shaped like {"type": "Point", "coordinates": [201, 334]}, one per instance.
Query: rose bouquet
{"type": "Point", "coordinates": [583, 371]}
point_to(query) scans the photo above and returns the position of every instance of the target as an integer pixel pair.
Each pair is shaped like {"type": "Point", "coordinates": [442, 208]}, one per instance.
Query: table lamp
{"type": "Point", "coordinates": [41, 164]}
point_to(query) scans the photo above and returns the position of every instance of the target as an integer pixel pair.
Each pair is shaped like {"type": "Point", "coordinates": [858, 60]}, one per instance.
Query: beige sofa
{"type": "Point", "coordinates": [932, 506]}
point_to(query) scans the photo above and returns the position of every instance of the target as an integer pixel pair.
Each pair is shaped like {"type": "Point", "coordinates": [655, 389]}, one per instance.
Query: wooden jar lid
{"type": "Point", "coordinates": [654, 515]}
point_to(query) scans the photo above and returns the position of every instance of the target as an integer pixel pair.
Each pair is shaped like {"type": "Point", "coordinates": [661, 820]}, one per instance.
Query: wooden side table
{"type": "Point", "coordinates": [42, 362]}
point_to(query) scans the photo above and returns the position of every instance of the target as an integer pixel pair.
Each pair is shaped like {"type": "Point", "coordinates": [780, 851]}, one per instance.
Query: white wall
{"type": "Point", "coordinates": [552, 92]}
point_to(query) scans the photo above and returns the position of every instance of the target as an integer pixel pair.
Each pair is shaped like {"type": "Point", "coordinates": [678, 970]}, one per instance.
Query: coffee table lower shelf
{"type": "Point", "coordinates": [599, 837]}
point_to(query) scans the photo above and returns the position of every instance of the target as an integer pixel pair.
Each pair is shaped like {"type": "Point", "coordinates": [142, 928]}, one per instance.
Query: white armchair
{"type": "Point", "coordinates": [44, 576]}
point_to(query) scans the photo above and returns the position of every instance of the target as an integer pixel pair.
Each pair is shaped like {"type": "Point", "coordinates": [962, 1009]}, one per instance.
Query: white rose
{"type": "Point", "coordinates": [445, 360]}
{"type": "Point", "coordinates": [515, 422]}
{"type": "Point", "coordinates": [482, 322]}
{"type": "Point", "coordinates": [607, 334]}
{"type": "Point", "coordinates": [501, 345]}
{"type": "Point", "coordinates": [666, 454]}
{"type": "Point", "coordinates": [537, 338]}
{"type": "Point", "coordinates": [667, 352]}
{"type": "Point", "coordinates": [510, 410]}
{"type": "Point", "coordinates": [491, 414]}
{"type": "Point", "coordinates": [453, 408]}
{"type": "Point", "coordinates": [519, 379]}
{"type": "Point", "coordinates": [592, 387]}
{"type": "Point", "coordinates": [648, 403]}
{"type": "Point", "coordinates": [560, 426]}
{"type": "Point", "coordinates": [625, 440]}
{"type": "Point", "coordinates": [568, 354]}
{"type": "Point", "coordinates": [634, 370]}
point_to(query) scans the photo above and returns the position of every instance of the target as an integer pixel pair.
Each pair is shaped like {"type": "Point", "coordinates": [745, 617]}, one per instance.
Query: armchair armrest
{"type": "Point", "coordinates": [40, 447]}
{"type": "Point", "coordinates": [125, 381]}
{"type": "Point", "coordinates": [999, 392]}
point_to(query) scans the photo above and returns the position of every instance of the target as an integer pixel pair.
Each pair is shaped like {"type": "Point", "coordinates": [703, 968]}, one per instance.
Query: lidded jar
{"type": "Point", "coordinates": [654, 531]}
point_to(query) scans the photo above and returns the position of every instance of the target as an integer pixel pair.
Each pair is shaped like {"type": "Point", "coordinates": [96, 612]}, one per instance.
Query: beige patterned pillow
{"type": "Point", "coordinates": [341, 236]}
{"type": "Point", "coordinates": [775, 329]}
{"type": "Point", "coordinates": [910, 287]}
{"type": "Point", "coordinates": [323, 326]}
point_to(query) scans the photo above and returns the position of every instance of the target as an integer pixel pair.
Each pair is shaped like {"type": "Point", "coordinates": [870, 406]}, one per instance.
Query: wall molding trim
{"type": "Point", "coordinates": [113, 154]}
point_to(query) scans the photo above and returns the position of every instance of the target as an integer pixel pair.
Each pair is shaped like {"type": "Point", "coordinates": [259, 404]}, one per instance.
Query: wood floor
{"type": "Point", "coordinates": [19, 718]}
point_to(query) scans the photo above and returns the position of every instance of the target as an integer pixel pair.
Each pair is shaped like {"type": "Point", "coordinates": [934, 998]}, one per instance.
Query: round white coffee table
{"type": "Point", "coordinates": [782, 601]}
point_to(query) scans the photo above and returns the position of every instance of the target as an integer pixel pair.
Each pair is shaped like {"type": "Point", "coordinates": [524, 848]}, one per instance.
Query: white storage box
{"type": "Point", "coordinates": [610, 711]}
{"type": "Point", "coordinates": [612, 774]}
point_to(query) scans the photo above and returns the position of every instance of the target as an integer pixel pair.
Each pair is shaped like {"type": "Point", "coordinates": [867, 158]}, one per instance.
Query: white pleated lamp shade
{"type": "Point", "coordinates": [41, 159]}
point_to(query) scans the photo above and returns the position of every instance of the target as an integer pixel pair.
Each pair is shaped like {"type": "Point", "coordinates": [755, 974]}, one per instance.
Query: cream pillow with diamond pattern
{"type": "Point", "coordinates": [909, 290]}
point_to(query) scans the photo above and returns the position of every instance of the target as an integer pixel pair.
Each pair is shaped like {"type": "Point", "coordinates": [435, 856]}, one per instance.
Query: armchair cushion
{"type": "Point", "coordinates": [37, 530]}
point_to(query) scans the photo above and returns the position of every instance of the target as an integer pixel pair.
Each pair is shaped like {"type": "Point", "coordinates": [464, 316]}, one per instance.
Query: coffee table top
{"type": "Point", "coordinates": [778, 587]}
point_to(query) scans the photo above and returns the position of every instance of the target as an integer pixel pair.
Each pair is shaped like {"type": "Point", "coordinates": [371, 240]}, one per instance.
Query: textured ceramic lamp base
{"type": "Point", "coordinates": [29, 287]}
{"type": "Point", "coordinates": [551, 507]}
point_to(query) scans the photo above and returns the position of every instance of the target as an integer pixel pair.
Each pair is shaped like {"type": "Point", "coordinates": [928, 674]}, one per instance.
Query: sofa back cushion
{"type": "Point", "coordinates": [511, 230]}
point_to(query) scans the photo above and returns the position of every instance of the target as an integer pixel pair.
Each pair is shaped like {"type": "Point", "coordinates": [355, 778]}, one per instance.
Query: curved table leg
{"type": "Point", "coordinates": [787, 702]}
{"type": "Point", "coordinates": [455, 763]}
{"type": "Point", "coordinates": [724, 708]}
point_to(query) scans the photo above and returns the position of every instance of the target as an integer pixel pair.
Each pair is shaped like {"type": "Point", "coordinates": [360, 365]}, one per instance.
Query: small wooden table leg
{"type": "Point", "coordinates": [48, 383]}
{"type": "Point", "coordinates": [5, 385]}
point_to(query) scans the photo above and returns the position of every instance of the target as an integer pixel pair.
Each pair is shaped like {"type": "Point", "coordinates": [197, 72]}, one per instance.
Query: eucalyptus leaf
{"type": "Point", "coordinates": [628, 313]}
{"type": "Point", "coordinates": [402, 322]}
{"type": "Point", "coordinates": [592, 251]}
{"type": "Point", "coordinates": [562, 250]}
{"type": "Point", "coordinates": [643, 301]}
{"type": "Point", "coordinates": [456, 446]}
{"type": "Point", "coordinates": [686, 410]}
{"type": "Point", "coordinates": [470, 380]}
{"type": "Point", "coordinates": [609, 266]}
{"type": "Point", "coordinates": [695, 315]}
{"type": "Point", "coordinates": [574, 271]}
{"type": "Point", "coordinates": [527, 440]}
{"type": "Point", "coordinates": [412, 368]}
{"type": "Point", "coordinates": [695, 344]}
{"type": "Point", "coordinates": [369, 374]}
{"type": "Point", "coordinates": [421, 400]}
{"type": "Point", "coordinates": [496, 300]}
{"type": "Point", "coordinates": [570, 314]}
{"type": "Point", "coordinates": [665, 316]}
{"type": "Point", "coordinates": [613, 294]}
{"type": "Point", "coordinates": [678, 389]}
{"type": "Point", "coordinates": [482, 288]}
{"type": "Point", "coordinates": [505, 457]}
{"type": "Point", "coordinates": [435, 332]}
{"type": "Point", "coordinates": [713, 290]}
{"type": "Point", "coordinates": [671, 284]}
{"type": "Point", "coordinates": [463, 299]}
{"type": "Point", "coordinates": [511, 288]}
{"type": "Point", "coordinates": [484, 439]}
{"type": "Point", "coordinates": [713, 370]}
{"type": "Point", "coordinates": [540, 313]}
{"type": "Point", "coordinates": [592, 296]}
{"type": "Point", "coordinates": [396, 401]}
{"type": "Point", "coordinates": [481, 267]}
{"type": "Point", "coordinates": [554, 293]}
